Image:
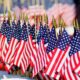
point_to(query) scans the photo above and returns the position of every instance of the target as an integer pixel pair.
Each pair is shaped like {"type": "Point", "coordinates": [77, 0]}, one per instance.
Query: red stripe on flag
{"type": "Point", "coordinates": [19, 53]}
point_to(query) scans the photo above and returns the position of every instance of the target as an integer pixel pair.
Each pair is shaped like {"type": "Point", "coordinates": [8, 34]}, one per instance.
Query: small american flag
{"type": "Point", "coordinates": [25, 61]}
{"type": "Point", "coordinates": [52, 40]}
{"type": "Point", "coordinates": [58, 56]}
{"type": "Point", "coordinates": [41, 55]}
{"type": "Point", "coordinates": [73, 60]}
{"type": "Point", "coordinates": [20, 46]}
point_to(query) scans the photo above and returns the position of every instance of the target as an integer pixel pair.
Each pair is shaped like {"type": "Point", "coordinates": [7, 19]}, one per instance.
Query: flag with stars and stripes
{"type": "Point", "coordinates": [40, 33]}
{"type": "Point", "coordinates": [18, 54]}
{"type": "Point", "coordinates": [41, 49]}
{"type": "Point", "coordinates": [11, 47]}
{"type": "Point", "coordinates": [73, 59]}
{"type": "Point", "coordinates": [3, 33]}
{"type": "Point", "coordinates": [45, 35]}
{"type": "Point", "coordinates": [59, 56]}
{"type": "Point", "coordinates": [52, 40]}
{"type": "Point", "coordinates": [25, 61]}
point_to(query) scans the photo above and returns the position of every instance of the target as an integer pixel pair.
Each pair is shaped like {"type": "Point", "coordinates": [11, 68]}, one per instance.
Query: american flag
{"type": "Point", "coordinates": [52, 40]}
{"type": "Point", "coordinates": [50, 47]}
{"type": "Point", "coordinates": [30, 43]}
{"type": "Point", "coordinates": [40, 34]}
{"type": "Point", "coordinates": [58, 56]}
{"type": "Point", "coordinates": [12, 44]}
{"type": "Point", "coordinates": [4, 30]}
{"type": "Point", "coordinates": [41, 53]}
{"type": "Point", "coordinates": [32, 31]}
{"type": "Point", "coordinates": [46, 34]}
{"type": "Point", "coordinates": [20, 46]}
{"type": "Point", "coordinates": [72, 61]}
{"type": "Point", "coordinates": [77, 68]}
{"type": "Point", "coordinates": [25, 59]}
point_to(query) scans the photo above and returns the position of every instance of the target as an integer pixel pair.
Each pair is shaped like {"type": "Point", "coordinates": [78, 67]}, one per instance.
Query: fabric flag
{"type": "Point", "coordinates": [45, 35]}
{"type": "Point", "coordinates": [18, 54]}
{"type": "Point", "coordinates": [18, 30]}
{"type": "Point", "coordinates": [42, 40]}
{"type": "Point", "coordinates": [52, 41]}
{"type": "Point", "coordinates": [77, 69]}
{"type": "Point", "coordinates": [36, 55]}
{"type": "Point", "coordinates": [59, 55]}
{"type": "Point", "coordinates": [4, 33]}
{"type": "Point", "coordinates": [50, 47]}
{"type": "Point", "coordinates": [74, 59]}
{"type": "Point", "coordinates": [25, 59]}
{"type": "Point", "coordinates": [3, 40]}
{"type": "Point", "coordinates": [4, 30]}
{"type": "Point", "coordinates": [7, 30]}
{"type": "Point", "coordinates": [40, 33]}
{"type": "Point", "coordinates": [11, 45]}
{"type": "Point", "coordinates": [32, 31]}
{"type": "Point", "coordinates": [30, 45]}
{"type": "Point", "coordinates": [41, 58]}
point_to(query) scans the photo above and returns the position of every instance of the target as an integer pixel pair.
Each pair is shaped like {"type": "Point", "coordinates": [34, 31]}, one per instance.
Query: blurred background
{"type": "Point", "coordinates": [11, 4]}
{"type": "Point", "coordinates": [67, 9]}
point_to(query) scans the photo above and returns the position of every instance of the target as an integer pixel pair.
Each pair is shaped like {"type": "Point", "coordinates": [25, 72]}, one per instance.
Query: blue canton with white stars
{"type": "Point", "coordinates": [40, 34]}
{"type": "Point", "coordinates": [63, 41]}
{"type": "Point", "coordinates": [24, 34]}
{"type": "Point", "coordinates": [17, 31]}
{"type": "Point", "coordinates": [75, 43]}
{"type": "Point", "coordinates": [32, 31]}
{"type": "Point", "coordinates": [52, 40]}
{"type": "Point", "coordinates": [7, 31]}
{"type": "Point", "coordinates": [45, 34]}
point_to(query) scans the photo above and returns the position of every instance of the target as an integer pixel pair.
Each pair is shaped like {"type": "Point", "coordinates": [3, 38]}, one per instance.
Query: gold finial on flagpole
{"type": "Point", "coordinates": [40, 18]}
{"type": "Point", "coordinates": [4, 15]}
{"type": "Point", "coordinates": [14, 16]}
{"type": "Point", "coordinates": [45, 19]}
{"type": "Point", "coordinates": [21, 15]}
{"type": "Point", "coordinates": [35, 27]}
{"type": "Point", "coordinates": [35, 19]}
{"type": "Point", "coordinates": [77, 24]}
{"type": "Point", "coordinates": [54, 22]}
{"type": "Point", "coordinates": [60, 24]}
{"type": "Point", "coordinates": [74, 22]}
{"type": "Point", "coordinates": [63, 23]}
{"type": "Point", "coordinates": [9, 15]}
{"type": "Point", "coordinates": [26, 18]}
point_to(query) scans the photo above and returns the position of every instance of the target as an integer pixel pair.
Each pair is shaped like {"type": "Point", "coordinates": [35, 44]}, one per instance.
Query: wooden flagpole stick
{"type": "Point", "coordinates": [77, 24]}
{"type": "Point", "coordinates": [35, 27]}
{"type": "Point", "coordinates": [9, 17]}
{"type": "Point", "coordinates": [60, 24]}
{"type": "Point", "coordinates": [74, 22]}
{"type": "Point", "coordinates": [14, 17]}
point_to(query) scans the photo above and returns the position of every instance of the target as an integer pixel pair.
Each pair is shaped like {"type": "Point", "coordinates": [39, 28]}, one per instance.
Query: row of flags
{"type": "Point", "coordinates": [50, 57]}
